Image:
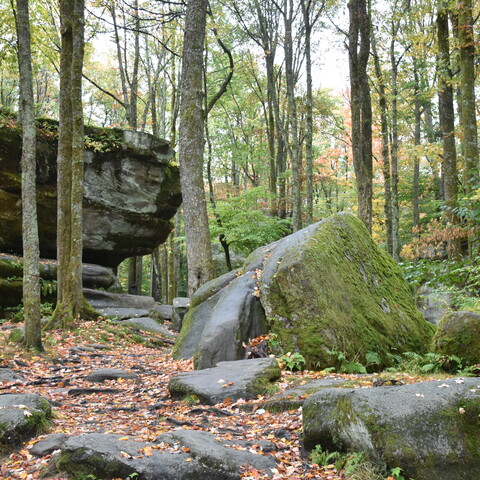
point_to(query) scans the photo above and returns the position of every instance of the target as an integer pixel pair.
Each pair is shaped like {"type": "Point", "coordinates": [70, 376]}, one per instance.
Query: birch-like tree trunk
{"type": "Point", "coordinates": [31, 276]}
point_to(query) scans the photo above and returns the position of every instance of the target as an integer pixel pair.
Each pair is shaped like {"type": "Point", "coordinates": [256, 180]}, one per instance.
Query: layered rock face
{"type": "Point", "coordinates": [324, 290]}
{"type": "Point", "coordinates": [131, 191]}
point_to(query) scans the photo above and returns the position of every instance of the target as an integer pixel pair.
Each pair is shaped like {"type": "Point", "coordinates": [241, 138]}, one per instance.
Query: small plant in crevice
{"type": "Point", "coordinates": [343, 364]}
{"type": "Point", "coordinates": [323, 457]}
{"type": "Point", "coordinates": [292, 361]}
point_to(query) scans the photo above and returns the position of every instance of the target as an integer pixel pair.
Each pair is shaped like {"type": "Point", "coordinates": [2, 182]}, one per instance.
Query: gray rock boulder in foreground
{"type": "Point", "coordinates": [326, 287]}
{"type": "Point", "coordinates": [431, 429]}
{"type": "Point", "coordinates": [22, 416]}
{"type": "Point", "coordinates": [237, 379]}
{"type": "Point", "coordinates": [106, 457]}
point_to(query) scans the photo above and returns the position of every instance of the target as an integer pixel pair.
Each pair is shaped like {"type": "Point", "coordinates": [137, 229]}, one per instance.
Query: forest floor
{"type": "Point", "coordinates": [142, 409]}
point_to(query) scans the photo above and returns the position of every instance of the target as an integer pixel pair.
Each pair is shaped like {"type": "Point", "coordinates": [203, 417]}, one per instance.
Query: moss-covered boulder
{"type": "Point", "coordinates": [429, 429]}
{"type": "Point", "coordinates": [22, 416]}
{"type": "Point", "coordinates": [326, 288]}
{"type": "Point", "coordinates": [131, 191]}
{"type": "Point", "coordinates": [458, 333]}
{"type": "Point", "coordinates": [329, 287]}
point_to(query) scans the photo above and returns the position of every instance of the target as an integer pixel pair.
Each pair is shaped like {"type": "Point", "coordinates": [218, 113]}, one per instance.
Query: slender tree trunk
{"type": "Point", "coordinates": [385, 146]}
{"type": "Point", "coordinates": [359, 50]}
{"type": "Point", "coordinates": [416, 159]}
{"type": "Point", "coordinates": [135, 267]}
{"type": "Point", "coordinates": [31, 276]}
{"type": "Point", "coordinates": [394, 145]}
{"type": "Point", "coordinates": [468, 119]}
{"type": "Point", "coordinates": [293, 147]}
{"type": "Point", "coordinates": [447, 124]}
{"type": "Point", "coordinates": [191, 148]}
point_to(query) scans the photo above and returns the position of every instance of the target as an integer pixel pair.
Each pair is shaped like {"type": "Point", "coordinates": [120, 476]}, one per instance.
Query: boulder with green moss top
{"type": "Point", "coordinates": [131, 191]}
{"type": "Point", "coordinates": [428, 429]}
{"type": "Point", "coordinates": [22, 416]}
{"type": "Point", "coordinates": [325, 288]}
{"type": "Point", "coordinates": [458, 334]}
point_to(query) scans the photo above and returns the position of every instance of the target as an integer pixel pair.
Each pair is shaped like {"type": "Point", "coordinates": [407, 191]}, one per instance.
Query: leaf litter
{"type": "Point", "coordinates": [141, 409]}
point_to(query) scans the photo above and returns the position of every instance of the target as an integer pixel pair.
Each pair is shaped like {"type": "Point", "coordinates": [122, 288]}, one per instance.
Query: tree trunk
{"type": "Point", "coordinates": [31, 276]}
{"type": "Point", "coordinates": [416, 159]}
{"type": "Point", "coordinates": [191, 148]}
{"type": "Point", "coordinates": [468, 119]}
{"type": "Point", "coordinates": [293, 146]}
{"type": "Point", "coordinates": [394, 145]}
{"type": "Point", "coordinates": [447, 125]}
{"type": "Point", "coordinates": [385, 146]}
{"type": "Point", "coordinates": [359, 49]}
{"type": "Point", "coordinates": [135, 266]}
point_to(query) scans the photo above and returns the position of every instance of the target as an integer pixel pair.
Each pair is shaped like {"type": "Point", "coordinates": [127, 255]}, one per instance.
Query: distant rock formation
{"type": "Point", "coordinates": [131, 191]}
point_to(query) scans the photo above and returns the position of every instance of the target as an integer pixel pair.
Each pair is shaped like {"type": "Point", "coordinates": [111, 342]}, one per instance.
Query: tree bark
{"type": "Point", "coordinates": [71, 304]}
{"type": "Point", "coordinates": [468, 118]}
{"type": "Point", "coordinates": [191, 148]}
{"type": "Point", "coordinates": [31, 276]}
{"type": "Point", "coordinates": [447, 125]}
{"type": "Point", "coordinates": [359, 50]}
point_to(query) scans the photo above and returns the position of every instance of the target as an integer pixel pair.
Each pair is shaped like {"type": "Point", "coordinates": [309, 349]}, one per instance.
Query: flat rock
{"type": "Point", "coordinates": [106, 457]}
{"type": "Point", "coordinates": [237, 379]}
{"type": "Point", "coordinates": [122, 313]}
{"type": "Point", "coordinates": [206, 449]}
{"type": "Point", "coordinates": [48, 444]}
{"type": "Point", "coordinates": [147, 324]}
{"type": "Point", "coordinates": [161, 312]}
{"type": "Point", "coordinates": [103, 374]}
{"type": "Point", "coordinates": [21, 416]}
{"type": "Point", "coordinates": [429, 429]}
{"type": "Point", "coordinates": [9, 375]}
{"type": "Point", "coordinates": [101, 299]}
{"type": "Point", "coordinates": [293, 398]}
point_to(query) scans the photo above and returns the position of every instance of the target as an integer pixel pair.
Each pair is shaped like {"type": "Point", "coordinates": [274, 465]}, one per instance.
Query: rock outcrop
{"type": "Point", "coordinates": [428, 429]}
{"type": "Point", "coordinates": [325, 288]}
{"type": "Point", "coordinates": [131, 191]}
{"type": "Point", "coordinates": [22, 416]}
{"type": "Point", "coordinates": [458, 334]}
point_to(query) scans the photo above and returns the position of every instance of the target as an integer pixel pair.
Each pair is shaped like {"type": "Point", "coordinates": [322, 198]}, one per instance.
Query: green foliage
{"type": "Point", "coordinates": [429, 363]}
{"type": "Point", "coordinates": [48, 287]}
{"type": "Point", "coordinates": [292, 361]}
{"type": "Point", "coordinates": [245, 222]}
{"type": "Point", "coordinates": [459, 279]}
{"type": "Point", "coordinates": [343, 365]}
{"type": "Point", "coordinates": [320, 457]}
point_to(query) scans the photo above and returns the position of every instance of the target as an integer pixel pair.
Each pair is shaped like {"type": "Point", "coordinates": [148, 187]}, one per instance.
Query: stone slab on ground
{"type": "Point", "coordinates": [429, 429]}
{"type": "Point", "coordinates": [22, 415]}
{"type": "Point", "coordinates": [122, 313]}
{"type": "Point", "coordinates": [103, 374]}
{"type": "Point", "coordinates": [147, 324]}
{"type": "Point", "coordinates": [106, 456]}
{"type": "Point", "coordinates": [49, 444]}
{"type": "Point", "coordinates": [236, 379]}
{"type": "Point", "coordinates": [293, 398]}
{"type": "Point", "coordinates": [161, 312]}
{"type": "Point", "coordinates": [9, 375]}
{"type": "Point", "coordinates": [101, 299]}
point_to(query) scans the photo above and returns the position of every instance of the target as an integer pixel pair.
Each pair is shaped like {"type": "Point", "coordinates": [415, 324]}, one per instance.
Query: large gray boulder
{"type": "Point", "coordinates": [428, 429]}
{"type": "Point", "coordinates": [458, 333]}
{"type": "Point", "coordinates": [238, 379]}
{"type": "Point", "coordinates": [131, 191]}
{"type": "Point", "coordinates": [107, 456]}
{"type": "Point", "coordinates": [22, 416]}
{"type": "Point", "coordinates": [326, 287]}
